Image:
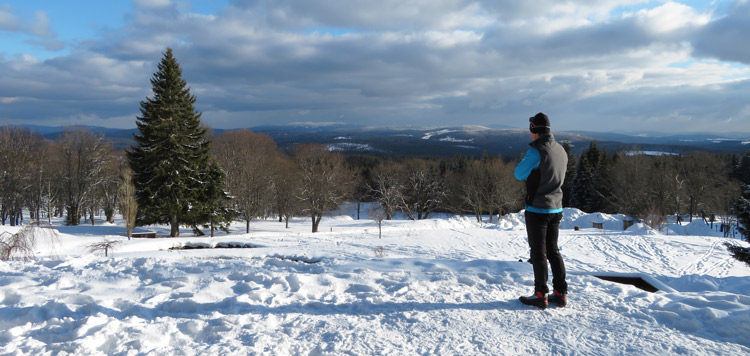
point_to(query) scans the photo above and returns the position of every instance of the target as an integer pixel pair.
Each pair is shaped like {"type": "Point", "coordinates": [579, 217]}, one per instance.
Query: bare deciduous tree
{"type": "Point", "coordinates": [475, 187]}
{"type": "Point", "coordinates": [630, 193]}
{"type": "Point", "coordinates": [42, 192]}
{"type": "Point", "coordinates": [104, 246]}
{"type": "Point", "coordinates": [705, 174]}
{"type": "Point", "coordinates": [286, 186]}
{"type": "Point", "coordinates": [18, 147]}
{"type": "Point", "coordinates": [648, 188]}
{"type": "Point", "coordinates": [127, 201]}
{"type": "Point", "coordinates": [506, 194]}
{"type": "Point", "coordinates": [377, 213]}
{"type": "Point", "coordinates": [424, 188]}
{"type": "Point", "coordinates": [324, 180]}
{"type": "Point", "coordinates": [82, 155]}
{"type": "Point", "coordinates": [388, 188]}
{"type": "Point", "coordinates": [247, 159]}
{"type": "Point", "coordinates": [110, 182]}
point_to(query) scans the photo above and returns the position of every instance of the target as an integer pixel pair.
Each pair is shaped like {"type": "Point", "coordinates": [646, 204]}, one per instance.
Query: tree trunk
{"type": "Point", "coordinates": [49, 203]}
{"type": "Point", "coordinates": [175, 225]}
{"type": "Point", "coordinates": [247, 226]}
{"type": "Point", "coordinates": [109, 213]}
{"type": "Point", "coordinates": [73, 217]}
{"type": "Point", "coordinates": [315, 222]}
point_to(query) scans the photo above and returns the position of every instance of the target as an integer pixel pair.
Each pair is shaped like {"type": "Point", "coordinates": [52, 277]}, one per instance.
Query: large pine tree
{"type": "Point", "coordinates": [600, 193]}
{"type": "Point", "coordinates": [569, 174]}
{"type": "Point", "coordinates": [741, 208]}
{"type": "Point", "coordinates": [741, 168]}
{"type": "Point", "coordinates": [175, 180]}
{"type": "Point", "coordinates": [581, 187]}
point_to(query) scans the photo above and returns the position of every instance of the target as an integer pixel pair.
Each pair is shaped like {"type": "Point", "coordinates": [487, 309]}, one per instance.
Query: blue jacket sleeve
{"type": "Point", "coordinates": [529, 162]}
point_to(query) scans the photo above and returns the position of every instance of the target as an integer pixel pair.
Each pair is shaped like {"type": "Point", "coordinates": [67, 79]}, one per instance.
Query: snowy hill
{"type": "Point", "coordinates": [442, 286]}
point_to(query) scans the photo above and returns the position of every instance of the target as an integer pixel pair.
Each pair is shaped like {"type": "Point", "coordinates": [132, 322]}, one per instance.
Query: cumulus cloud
{"type": "Point", "coordinates": [39, 26]}
{"type": "Point", "coordinates": [413, 15]}
{"type": "Point", "coordinates": [609, 65]}
{"type": "Point", "coordinates": [669, 17]}
{"type": "Point", "coordinates": [726, 37]}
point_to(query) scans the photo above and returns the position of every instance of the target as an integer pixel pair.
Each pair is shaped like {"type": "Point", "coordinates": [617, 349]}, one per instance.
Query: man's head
{"type": "Point", "coordinates": [539, 124]}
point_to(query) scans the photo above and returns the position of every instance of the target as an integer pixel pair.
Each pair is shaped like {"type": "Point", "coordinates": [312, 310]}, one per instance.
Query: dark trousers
{"type": "Point", "coordinates": [542, 230]}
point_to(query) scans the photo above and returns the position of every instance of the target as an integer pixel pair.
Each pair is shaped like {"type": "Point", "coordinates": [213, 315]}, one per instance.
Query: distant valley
{"type": "Point", "coordinates": [453, 141]}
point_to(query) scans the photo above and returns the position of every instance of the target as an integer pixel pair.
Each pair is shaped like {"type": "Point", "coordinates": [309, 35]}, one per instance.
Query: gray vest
{"type": "Point", "coordinates": [544, 184]}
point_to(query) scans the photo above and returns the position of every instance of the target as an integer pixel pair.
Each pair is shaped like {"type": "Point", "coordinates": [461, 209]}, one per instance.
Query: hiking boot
{"type": "Point", "coordinates": [538, 300]}
{"type": "Point", "coordinates": [559, 299]}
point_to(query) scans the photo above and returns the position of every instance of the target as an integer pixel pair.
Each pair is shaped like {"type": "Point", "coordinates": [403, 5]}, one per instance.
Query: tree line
{"type": "Point", "coordinates": [75, 176]}
{"type": "Point", "coordinates": [178, 173]}
{"type": "Point", "coordinates": [80, 175]}
{"type": "Point", "coordinates": [650, 187]}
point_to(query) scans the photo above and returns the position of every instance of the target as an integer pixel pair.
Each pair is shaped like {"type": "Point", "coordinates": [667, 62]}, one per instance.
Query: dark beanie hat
{"type": "Point", "coordinates": [539, 124]}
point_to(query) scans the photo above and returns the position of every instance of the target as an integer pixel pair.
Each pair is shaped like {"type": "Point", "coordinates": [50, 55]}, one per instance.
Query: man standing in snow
{"type": "Point", "coordinates": [543, 168]}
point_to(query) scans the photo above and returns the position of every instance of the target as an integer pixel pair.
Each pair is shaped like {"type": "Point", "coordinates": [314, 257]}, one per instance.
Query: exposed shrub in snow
{"type": "Point", "coordinates": [104, 246]}
{"type": "Point", "coordinates": [740, 253]}
{"type": "Point", "coordinates": [191, 246]}
{"type": "Point", "coordinates": [19, 244]}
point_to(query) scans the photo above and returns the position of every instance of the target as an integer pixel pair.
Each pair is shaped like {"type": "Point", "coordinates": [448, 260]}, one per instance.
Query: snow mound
{"type": "Point", "coordinates": [573, 217]}
{"type": "Point", "coordinates": [512, 221]}
{"type": "Point", "coordinates": [695, 228]}
{"type": "Point", "coordinates": [641, 229]}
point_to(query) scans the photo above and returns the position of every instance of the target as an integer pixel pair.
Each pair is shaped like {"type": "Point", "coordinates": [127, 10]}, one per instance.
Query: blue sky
{"type": "Point", "coordinates": [611, 65]}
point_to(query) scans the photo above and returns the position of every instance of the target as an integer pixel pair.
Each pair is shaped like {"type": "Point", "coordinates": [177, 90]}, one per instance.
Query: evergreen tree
{"type": "Point", "coordinates": [581, 183]}
{"type": "Point", "coordinates": [741, 169]}
{"type": "Point", "coordinates": [741, 208]}
{"type": "Point", "coordinates": [215, 212]}
{"type": "Point", "coordinates": [175, 179]}
{"type": "Point", "coordinates": [569, 174]}
{"type": "Point", "coordinates": [581, 188]}
{"type": "Point", "coordinates": [600, 195]}
{"type": "Point", "coordinates": [734, 162]}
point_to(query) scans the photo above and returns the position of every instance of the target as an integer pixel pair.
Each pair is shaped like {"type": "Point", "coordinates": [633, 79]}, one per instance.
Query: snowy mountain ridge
{"type": "Point", "coordinates": [449, 141]}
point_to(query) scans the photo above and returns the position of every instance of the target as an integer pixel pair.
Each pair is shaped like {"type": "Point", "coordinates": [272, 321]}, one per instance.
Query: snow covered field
{"type": "Point", "coordinates": [442, 286]}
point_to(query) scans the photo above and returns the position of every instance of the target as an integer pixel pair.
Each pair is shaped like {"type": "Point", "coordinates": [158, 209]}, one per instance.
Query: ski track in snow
{"type": "Point", "coordinates": [443, 287]}
{"type": "Point", "coordinates": [698, 265]}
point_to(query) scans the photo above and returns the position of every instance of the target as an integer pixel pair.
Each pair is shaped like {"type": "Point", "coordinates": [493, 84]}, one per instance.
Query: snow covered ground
{"type": "Point", "coordinates": [442, 286]}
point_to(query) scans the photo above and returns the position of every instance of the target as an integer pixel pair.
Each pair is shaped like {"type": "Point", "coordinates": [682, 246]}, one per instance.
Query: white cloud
{"type": "Point", "coordinates": [41, 27]}
{"type": "Point", "coordinates": [413, 15]}
{"type": "Point", "coordinates": [404, 62]}
{"type": "Point", "coordinates": [724, 37]}
{"type": "Point", "coordinates": [670, 17]}
{"type": "Point", "coordinates": [152, 3]}
{"type": "Point", "coordinates": [7, 100]}
{"type": "Point", "coordinates": [10, 21]}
